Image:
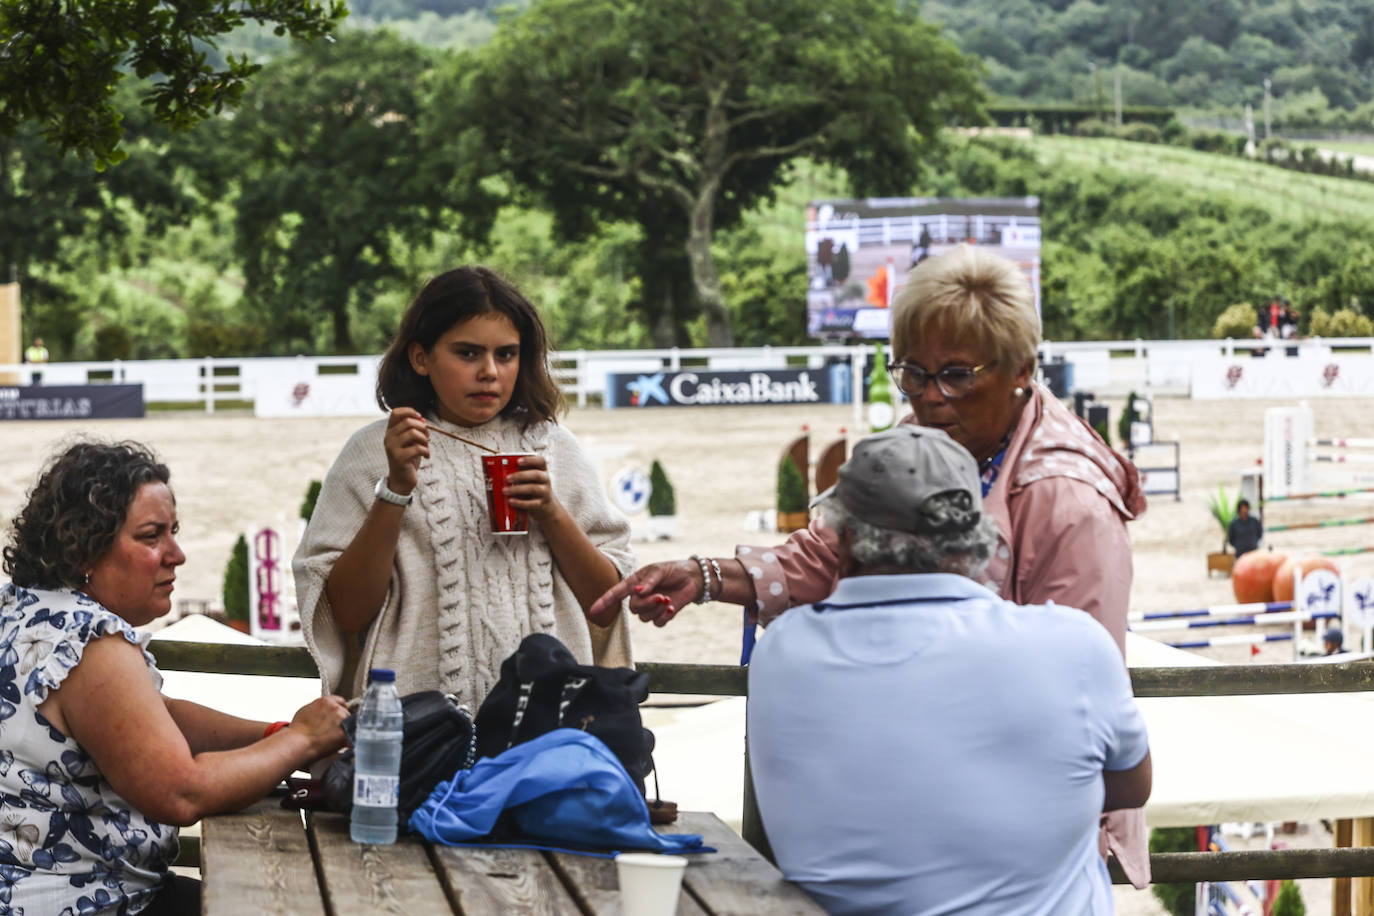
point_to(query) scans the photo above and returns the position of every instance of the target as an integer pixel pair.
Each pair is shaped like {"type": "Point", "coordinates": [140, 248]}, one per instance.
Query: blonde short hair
{"type": "Point", "coordinates": [985, 297]}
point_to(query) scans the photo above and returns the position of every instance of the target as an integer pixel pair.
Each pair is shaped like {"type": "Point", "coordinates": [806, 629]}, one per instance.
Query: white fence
{"type": "Point", "coordinates": [344, 384]}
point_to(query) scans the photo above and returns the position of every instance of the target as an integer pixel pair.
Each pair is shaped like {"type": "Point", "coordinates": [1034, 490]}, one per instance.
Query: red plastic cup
{"type": "Point", "coordinates": [505, 518]}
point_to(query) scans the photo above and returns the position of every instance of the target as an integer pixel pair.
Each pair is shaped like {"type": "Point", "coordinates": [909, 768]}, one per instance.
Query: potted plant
{"type": "Point", "coordinates": [1223, 510]}
{"type": "Point", "coordinates": [1289, 900]}
{"type": "Point", "coordinates": [312, 495]}
{"type": "Point", "coordinates": [236, 602]}
{"type": "Point", "coordinates": [662, 505]}
{"type": "Point", "coordinates": [792, 510]}
{"type": "Point", "coordinates": [1177, 899]}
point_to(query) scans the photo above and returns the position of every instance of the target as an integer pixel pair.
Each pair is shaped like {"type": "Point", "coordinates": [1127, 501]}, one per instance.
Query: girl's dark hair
{"type": "Point", "coordinates": [75, 510]}
{"type": "Point", "coordinates": [450, 299]}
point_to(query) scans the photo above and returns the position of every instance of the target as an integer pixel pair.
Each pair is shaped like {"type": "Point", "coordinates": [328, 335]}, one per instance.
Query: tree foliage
{"type": "Point", "coordinates": [62, 224]}
{"type": "Point", "coordinates": [336, 174]}
{"type": "Point", "coordinates": [1318, 55]}
{"type": "Point", "coordinates": [1238, 321]}
{"type": "Point", "coordinates": [63, 60]}
{"type": "Point", "coordinates": [679, 115]}
{"type": "Point", "coordinates": [1130, 255]}
{"type": "Point", "coordinates": [1346, 322]}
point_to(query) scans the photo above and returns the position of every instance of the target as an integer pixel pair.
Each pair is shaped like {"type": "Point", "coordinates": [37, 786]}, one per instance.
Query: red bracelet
{"type": "Point", "coordinates": [274, 728]}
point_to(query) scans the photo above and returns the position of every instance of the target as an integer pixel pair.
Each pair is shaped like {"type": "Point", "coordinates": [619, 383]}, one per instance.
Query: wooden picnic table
{"type": "Point", "coordinates": [266, 860]}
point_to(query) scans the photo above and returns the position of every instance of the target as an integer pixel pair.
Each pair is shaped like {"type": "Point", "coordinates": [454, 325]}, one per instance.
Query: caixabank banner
{"type": "Point", "coordinates": [707, 388]}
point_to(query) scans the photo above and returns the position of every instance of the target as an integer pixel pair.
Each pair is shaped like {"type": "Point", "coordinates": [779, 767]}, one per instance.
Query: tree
{"type": "Point", "coordinates": [63, 60]}
{"type": "Point", "coordinates": [684, 113]}
{"type": "Point", "coordinates": [57, 212]}
{"type": "Point", "coordinates": [336, 175]}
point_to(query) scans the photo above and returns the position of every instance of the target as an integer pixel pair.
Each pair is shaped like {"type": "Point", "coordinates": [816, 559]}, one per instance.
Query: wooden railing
{"type": "Point", "coordinates": [727, 680]}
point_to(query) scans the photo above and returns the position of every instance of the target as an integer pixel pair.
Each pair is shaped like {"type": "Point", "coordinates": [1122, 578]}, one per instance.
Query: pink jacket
{"type": "Point", "coordinates": [1061, 503]}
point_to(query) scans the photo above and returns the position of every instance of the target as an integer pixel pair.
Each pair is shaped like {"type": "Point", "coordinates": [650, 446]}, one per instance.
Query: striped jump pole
{"type": "Point", "coordinates": [1291, 617]}
{"type": "Point", "coordinates": [1326, 523]}
{"type": "Point", "coordinates": [1342, 443]}
{"type": "Point", "coordinates": [1342, 459]}
{"type": "Point", "coordinates": [1320, 494]}
{"type": "Point", "coordinates": [1236, 639]}
{"type": "Point", "coordinates": [1216, 610]}
{"type": "Point", "coordinates": [1344, 551]}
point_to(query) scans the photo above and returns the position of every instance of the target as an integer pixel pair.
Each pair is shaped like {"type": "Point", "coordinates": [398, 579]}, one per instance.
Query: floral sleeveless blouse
{"type": "Point", "coordinates": [69, 844]}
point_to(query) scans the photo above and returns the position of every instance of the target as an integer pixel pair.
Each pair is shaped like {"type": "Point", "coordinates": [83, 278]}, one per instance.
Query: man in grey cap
{"type": "Point", "coordinates": [918, 744]}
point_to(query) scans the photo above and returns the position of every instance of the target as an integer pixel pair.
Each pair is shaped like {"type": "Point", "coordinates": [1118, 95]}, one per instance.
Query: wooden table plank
{"type": "Point", "coordinates": [736, 880]}
{"type": "Point", "coordinates": [359, 878]}
{"type": "Point", "coordinates": [258, 863]}
{"type": "Point", "coordinates": [490, 881]}
{"type": "Point", "coordinates": [595, 885]}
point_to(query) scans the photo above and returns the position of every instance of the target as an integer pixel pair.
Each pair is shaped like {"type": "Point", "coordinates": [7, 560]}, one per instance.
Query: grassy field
{"type": "Point", "coordinates": [1286, 193]}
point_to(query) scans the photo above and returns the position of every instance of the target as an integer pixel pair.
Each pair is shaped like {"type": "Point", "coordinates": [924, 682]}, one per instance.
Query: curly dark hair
{"type": "Point", "coordinates": [75, 510]}
{"type": "Point", "coordinates": [450, 299]}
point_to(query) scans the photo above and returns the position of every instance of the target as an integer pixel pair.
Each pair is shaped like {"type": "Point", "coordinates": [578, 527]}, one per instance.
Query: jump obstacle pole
{"type": "Point", "coordinates": [1317, 597]}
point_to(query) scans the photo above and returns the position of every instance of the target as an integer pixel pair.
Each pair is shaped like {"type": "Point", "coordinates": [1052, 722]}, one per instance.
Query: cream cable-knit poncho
{"type": "Point", "coordinates": [460, 598]}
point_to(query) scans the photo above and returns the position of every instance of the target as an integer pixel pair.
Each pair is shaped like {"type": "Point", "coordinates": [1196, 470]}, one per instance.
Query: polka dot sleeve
{"type": "Point", "coordinates": [800, 571]}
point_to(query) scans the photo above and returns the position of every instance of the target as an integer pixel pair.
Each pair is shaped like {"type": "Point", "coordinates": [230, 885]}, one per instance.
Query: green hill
{"type": "Point", "coordinates": [1285, 194]}
{"type": "Point", "coordinates": [1207, 54]}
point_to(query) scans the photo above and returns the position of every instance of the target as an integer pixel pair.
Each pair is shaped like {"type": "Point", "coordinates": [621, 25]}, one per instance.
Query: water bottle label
{"type": "Point", "coordinates": [376, 791]}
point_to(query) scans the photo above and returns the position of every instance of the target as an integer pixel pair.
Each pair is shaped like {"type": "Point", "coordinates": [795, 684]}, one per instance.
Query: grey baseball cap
{"type": "Point", "coordinates": [892, 475]}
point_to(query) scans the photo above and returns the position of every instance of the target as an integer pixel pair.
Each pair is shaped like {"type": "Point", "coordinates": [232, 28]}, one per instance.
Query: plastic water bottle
{"type": "Point", "coordinates": [377, 761]}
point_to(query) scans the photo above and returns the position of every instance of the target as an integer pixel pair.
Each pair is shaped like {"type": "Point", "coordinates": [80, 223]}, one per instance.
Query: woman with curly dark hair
{"type": "Point", "coordinates": [97, 768]}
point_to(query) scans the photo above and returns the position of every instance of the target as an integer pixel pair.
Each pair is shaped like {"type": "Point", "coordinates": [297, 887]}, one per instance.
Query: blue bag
{"type": "Point", "coordinates": [564, 787]}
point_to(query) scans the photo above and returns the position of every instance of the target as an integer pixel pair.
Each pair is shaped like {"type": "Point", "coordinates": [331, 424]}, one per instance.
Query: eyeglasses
{"type": "Point", "coordinates": [953, 381]}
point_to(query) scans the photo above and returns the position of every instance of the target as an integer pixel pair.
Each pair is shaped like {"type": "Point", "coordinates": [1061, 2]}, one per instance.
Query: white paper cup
{"type": "Point", "coordinates": [649, 883]}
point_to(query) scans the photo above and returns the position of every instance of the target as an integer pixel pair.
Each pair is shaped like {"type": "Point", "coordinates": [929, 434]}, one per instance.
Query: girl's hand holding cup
{"type": "Point", "coordinates": [531, 488]}
{"type": "Point", "coordinates": [407, 444]}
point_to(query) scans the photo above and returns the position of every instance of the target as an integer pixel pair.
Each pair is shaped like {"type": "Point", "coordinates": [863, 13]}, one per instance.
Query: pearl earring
{"type": "Point", "coordinates": [1018, 391]}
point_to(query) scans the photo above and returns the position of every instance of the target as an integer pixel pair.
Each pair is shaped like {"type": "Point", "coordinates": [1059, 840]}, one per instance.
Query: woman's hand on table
{"type": "Point", "coordinates": [656, 592]}
{"type": "Point", "coordinates": [321, 722]}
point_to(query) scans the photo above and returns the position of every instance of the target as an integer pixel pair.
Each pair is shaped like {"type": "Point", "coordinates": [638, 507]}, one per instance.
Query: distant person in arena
{"type": "Point", "coordinates": [1245, 532]}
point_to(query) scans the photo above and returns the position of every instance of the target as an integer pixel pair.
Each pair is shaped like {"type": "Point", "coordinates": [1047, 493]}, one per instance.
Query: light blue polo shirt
{"type": "Point", "coordinates": [921, 746]}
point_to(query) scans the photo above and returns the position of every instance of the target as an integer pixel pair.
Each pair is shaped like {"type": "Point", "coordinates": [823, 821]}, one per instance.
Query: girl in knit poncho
{"type": "Point", "coordinates": [398, 567]}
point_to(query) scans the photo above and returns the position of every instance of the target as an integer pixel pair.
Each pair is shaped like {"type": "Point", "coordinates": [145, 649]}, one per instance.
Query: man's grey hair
{"type": "Point", "coordinates": [963, 553]}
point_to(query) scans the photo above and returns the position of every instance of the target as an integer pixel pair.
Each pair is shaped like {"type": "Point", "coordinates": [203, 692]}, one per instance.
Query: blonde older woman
{"type": "Point", "coordinates": [965, 334]}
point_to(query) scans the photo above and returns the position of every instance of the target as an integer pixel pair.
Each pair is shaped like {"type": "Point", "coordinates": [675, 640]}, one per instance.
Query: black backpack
{"type": "Point", "coordinates": [542, 687]}
{"type": "Point", "coordinates": [437, 741]}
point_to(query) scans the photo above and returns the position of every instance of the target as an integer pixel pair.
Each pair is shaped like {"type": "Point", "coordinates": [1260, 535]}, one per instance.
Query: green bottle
{"type": "Point", "coordinates": [881, 413]}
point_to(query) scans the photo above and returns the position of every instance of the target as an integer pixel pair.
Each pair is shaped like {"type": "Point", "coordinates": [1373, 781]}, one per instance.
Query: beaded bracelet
{"type": "Point", "coordinates": [720, 580]}
{"type": "Point", "coordinates": [705, 579]}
